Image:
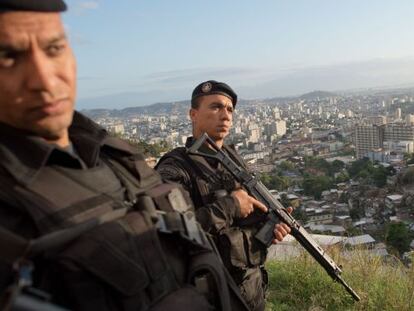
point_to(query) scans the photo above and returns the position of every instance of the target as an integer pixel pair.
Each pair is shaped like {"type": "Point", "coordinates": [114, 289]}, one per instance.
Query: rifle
{"type": "Point", "coordinates": [276, 212]}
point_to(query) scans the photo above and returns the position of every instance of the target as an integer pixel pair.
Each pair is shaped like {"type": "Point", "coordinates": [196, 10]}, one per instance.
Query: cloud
{"type": "Point", "coordinates": [79, 7]}
{"type": "Point", "coordinates": [89, 5]}
{"type": "Point", "coordinates": [335, 77]}
{"type": "Point", "coordinates": [251, 82]}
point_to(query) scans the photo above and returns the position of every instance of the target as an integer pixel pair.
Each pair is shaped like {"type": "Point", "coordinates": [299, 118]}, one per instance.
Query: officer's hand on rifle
{"type": "Point", "coordinates": [247, 203]}
{"type": "Point", "coordinates": [281, 230]}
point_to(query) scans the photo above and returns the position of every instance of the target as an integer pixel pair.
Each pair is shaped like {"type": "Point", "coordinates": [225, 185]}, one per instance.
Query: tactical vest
{"type": "Point", "coordinates": [237, 244]}
{"type": "Point", "coordinates": [98, 252]}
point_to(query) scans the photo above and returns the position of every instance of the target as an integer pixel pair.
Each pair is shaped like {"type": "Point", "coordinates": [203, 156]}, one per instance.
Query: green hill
{"type": "Point", "coordinates": [301, 284]}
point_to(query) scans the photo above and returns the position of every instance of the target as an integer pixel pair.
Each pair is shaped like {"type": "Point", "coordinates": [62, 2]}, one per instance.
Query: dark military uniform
{"type": "Point", "coordinates": [147, 252]}
{"type": "Point", "coordinates": [209, 185]}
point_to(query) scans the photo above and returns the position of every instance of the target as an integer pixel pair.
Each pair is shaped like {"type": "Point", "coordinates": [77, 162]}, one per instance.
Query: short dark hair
{"type": "Point", "coordinates": [195, 102]}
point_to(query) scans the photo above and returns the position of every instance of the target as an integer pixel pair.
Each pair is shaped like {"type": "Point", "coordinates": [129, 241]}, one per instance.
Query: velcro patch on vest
{"type": "Point", "coordinates": [177, 200]}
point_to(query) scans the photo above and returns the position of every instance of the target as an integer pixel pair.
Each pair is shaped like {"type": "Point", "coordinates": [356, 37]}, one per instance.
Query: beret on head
{"type": "Point", "coordinates": [32, 5]}
{"type": "Point", "coordinates": [213, 87]}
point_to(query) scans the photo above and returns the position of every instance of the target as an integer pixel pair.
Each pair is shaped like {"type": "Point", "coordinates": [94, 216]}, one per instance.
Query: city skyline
{"type": "Point", "coordinates": [138, 53]}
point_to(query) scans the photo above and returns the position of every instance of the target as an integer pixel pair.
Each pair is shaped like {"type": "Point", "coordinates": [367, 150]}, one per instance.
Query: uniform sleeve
{"type": "Point", "coordinates": [215, 217]}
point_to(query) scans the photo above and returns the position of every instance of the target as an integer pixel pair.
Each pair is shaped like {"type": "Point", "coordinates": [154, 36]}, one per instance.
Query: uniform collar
{"type": "Point", "coordinates": [22, 155]}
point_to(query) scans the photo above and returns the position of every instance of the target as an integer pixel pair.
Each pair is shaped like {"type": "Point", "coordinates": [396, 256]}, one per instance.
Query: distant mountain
{"type": "Point", "coordinates": [317, 94]}
{"type": "Point", "coordinates": [154, 109]}
{"type": "Point", "coordinates": [182, 107]}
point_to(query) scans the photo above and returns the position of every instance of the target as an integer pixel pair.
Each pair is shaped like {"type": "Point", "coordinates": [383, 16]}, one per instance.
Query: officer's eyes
{"type": "Point", "coordinates": [219, 107]}
{"type": "Point", "coordinates": [55, 49]}
{"type": "Point", "coordinates": [7, 59]}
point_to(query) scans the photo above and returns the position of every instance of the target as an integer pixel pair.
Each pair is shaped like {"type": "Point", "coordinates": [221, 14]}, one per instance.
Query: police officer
{"type": "Point", "coordinates": [223, 208]}
{"type": "Point", "coordinates": [82, 217]}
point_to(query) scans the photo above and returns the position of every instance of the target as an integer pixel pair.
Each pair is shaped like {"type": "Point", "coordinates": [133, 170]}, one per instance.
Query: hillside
{"type": "Point", "coordinates": [301, 284]}
{"type": "Point", "coordinates": [317, 95]}
{"type": "Point", "coordinates": [181, 107]}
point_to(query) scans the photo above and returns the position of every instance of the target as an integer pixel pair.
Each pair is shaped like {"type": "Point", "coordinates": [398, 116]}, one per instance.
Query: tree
{"type": "Point", "coordinates": [379, 176]}
{"type": "Point", "coordinates": [359, 166]}
{"type": "Point", "coordinates": [314, 185]}
{"type": "Point", "coordinates": [408, 177]}
{"type": "Point", "coordinates": [337, 166]}
{"type": "Point", "coordinates": [300, 214]}
{"type": "Point", "coordinates": [356, 213]}
{"type": "Point", "coordinates": [286, 166]}
{"type": "Point", "coordinates": [281, 182]}
{"type": "Point", "coordinates": [266, 179]}
{"type": "Point", "coordinates": [398, 237]}
{"type": "Point", "coordinates": [277, 182]}
{"type": "Point", "coordinates": [284, 200]}
{"type": "Point", "coordinates": [154, 150]}
{"type": "Point", "coordinates": [342, 177]}
{"type": "Point", "coordinates": [319, 164]}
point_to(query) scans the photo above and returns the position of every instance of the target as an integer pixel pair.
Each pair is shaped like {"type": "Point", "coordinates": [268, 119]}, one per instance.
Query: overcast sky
{"type": "Point", "coordinates": [135, 52]}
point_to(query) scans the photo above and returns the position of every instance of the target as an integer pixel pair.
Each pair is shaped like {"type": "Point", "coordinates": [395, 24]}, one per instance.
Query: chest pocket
{"type": "Point", "coordinates": [73, 197]}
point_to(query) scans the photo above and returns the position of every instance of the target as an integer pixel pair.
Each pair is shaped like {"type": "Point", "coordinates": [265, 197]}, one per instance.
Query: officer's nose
{"type": "Point", "coordinates": [226, 114]}
{"type": "Point", "coordinates": [40, 72]}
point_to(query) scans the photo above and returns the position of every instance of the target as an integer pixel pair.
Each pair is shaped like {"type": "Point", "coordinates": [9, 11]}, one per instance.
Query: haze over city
{"type": "Point", "coordinates": [156, 51]}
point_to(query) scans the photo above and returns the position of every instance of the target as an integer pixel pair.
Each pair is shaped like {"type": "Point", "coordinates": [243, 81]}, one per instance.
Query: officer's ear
{"type": "Point", "coordinates": [193, 114]}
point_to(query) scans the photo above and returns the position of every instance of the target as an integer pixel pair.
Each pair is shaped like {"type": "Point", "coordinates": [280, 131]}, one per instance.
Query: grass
{"type": "Point", "coordinates": [301, 284]}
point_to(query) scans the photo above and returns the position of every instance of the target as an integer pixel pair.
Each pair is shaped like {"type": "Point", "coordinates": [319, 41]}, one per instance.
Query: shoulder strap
{"type": "Point", "coordinates": [234, 155]}
{"type": "Point", "coordinates": [134, 163]}
{"type": "Point", "coordinates": [190, 164]}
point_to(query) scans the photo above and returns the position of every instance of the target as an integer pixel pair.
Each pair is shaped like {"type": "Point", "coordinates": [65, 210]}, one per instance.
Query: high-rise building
{"type": "Point", "coordinates": [253, 133]}
{"type": "Point", "coordinates": [116, 128]}
{"type": "Point", "coordinates": [399, 138]}
{"type": "Point", "coordinates": [409, 119]}
{"type": "Point", "coordinates": [398, 113]}
{"type": "Point", "coordinates": [399, 132]}
{"type": "Point", "coordinates": [276, 113]}
{"type": "Point", "coordinates": [399, 147]}
{"type": "Point", "coordinates": [349, 113]}
{"type": "Point", "coordinates": [376, 120]}
{"type": "Point", "coordinates": [275, 128]}
{"type": "Point", "coordinates": [280, 127]}
{"type": "Point", "coordinates": [367, 138]}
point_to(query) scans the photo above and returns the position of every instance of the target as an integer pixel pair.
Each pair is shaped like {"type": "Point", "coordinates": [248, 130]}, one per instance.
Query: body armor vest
{"type": "Point", "coordinates": [237, 244]}
{"type": "Point", "coordinates": [145, 259]}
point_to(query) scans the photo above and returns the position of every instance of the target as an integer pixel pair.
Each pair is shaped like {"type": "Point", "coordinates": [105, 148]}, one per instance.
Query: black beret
{"type": "Point", "coordinates": [33, 5]}
{"type": "Point", "coordinates": [213, 87]}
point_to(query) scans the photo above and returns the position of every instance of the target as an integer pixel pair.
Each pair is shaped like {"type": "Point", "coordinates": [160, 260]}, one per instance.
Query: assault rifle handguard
{"type": "Point", "coordinates": [276, 212]}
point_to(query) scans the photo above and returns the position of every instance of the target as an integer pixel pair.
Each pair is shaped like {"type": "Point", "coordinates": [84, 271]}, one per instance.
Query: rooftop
{"type": "Point", "coordinates": [359, 240]}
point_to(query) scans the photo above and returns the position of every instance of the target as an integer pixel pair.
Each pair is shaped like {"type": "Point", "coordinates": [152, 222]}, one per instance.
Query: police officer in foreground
{"type": "Point", "coordinates": [84, 222]}
{"type": "Point", "coordinates": [222, 207]}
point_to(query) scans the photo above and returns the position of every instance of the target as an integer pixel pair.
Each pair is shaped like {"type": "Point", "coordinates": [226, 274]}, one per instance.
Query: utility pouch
{"type": "Point", "coordinates": [232, 244]}
{"type": "Point", "coordinates": [256, 252]}
{"type": "Point", "coordinates": [240, 249]}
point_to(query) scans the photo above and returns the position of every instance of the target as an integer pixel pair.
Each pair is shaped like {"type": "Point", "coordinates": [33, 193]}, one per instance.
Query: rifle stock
{"type": "Point", "coordinates": [276, 212]}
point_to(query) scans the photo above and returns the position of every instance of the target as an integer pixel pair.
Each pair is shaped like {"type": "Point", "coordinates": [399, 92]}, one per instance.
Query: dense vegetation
{"type": "Point", "coordinates": [317, 174]}
{"type": "Point", "coordinates": [154, 150]}
{"type": "Point", "coordinates": [301, 284]}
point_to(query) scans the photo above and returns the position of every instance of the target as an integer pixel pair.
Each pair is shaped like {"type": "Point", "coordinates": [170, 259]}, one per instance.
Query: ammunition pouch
{"type": "Point", "coordinates": [240, 249]}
